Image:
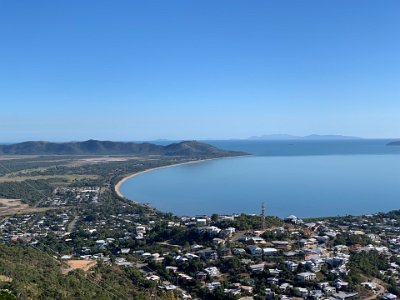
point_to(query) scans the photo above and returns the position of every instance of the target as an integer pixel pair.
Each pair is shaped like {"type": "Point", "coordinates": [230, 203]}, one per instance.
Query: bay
{"type": "Point", "coordinates": [305, 178]}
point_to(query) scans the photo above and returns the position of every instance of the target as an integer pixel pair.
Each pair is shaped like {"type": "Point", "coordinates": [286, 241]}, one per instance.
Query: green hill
{"type": "Point", "coordinates": [94, 147]}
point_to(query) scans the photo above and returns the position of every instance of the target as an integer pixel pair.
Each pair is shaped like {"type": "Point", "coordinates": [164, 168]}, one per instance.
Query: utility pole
{"type": "Point", "coordinates": [263, 226]}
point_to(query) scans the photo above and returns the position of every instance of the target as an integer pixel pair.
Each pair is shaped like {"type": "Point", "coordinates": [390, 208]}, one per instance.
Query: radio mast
{"type": "Point", "coordinates": [263, 225]}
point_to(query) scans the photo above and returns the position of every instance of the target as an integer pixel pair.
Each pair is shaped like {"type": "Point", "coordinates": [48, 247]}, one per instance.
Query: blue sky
{"type": "Point", "coordinates": [143, 70]}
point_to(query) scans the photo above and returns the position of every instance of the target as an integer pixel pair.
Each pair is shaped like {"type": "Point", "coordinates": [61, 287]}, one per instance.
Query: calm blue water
{"type": "Point", "coordinates": [305, 178]}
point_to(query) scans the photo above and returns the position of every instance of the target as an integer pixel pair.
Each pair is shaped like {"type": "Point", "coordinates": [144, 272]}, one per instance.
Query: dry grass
{"type": "Point", "coordinates": [9, 157]}
{"type": "Point", "coordinates": [16, 206]}
{"type": "Point", "coordinates": [69, 178]}
{"type": "Point", "coordinates": [4, 278]}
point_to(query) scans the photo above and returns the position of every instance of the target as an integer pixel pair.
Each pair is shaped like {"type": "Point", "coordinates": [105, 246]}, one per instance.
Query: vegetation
{"type": "Point", "coordinates": [36, 275]}
{"type": "Point", "coordinates": [29, 191]}
{"type": "Point", "coordinates": [93, 147]}
{"type": "Point", "coordinates": [250, 222]}
{"type": "Point", "coordinates": [351, 239]}
{"type": "Point", "coordinates": [366, 264]}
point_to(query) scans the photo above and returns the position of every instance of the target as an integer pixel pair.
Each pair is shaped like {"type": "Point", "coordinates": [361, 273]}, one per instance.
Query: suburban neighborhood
{"type": "Point", "coordinates": [218, 256]}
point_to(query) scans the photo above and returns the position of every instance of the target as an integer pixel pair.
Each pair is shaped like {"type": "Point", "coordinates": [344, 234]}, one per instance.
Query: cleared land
{"type": "Point", "coordinates": [15, 206]}
{"type": "Point", "coordinates": [82, 264]}
{"type": "Point", "coordinates": [4, 278]}
{"type": "Point", "coordinates": [44, 177]}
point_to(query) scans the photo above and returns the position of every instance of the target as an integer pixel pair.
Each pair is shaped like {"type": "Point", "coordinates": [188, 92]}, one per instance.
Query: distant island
{"type": "Point", "coordinates": [397, 143]}
{"type": "Point", "coordinates": [279, 137]}
{"type": "Point", "coordinates": [94, 147]}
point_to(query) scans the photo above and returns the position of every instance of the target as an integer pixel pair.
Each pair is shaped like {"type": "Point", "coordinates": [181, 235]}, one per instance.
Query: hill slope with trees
{"type": "Point", "coordinates": [94, 147]}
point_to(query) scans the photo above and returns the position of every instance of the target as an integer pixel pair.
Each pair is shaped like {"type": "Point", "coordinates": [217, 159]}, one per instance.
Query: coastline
{"type": "Point", "coordinates": [117, 187]}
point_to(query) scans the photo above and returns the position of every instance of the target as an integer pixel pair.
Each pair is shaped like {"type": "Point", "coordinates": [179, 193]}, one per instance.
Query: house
{"type": "Point", "coordinates": [196, 247]}
{"type": "Point", "coordinates": [168, 287]}
{"type": "Point", "coordinates": [247, 289]}
{"type": "Point", "coordinates": [145, 255]}
{"type": "Point", "coordinates": [329, 290]}
{"type": "Point", "coordinates": [306, 276]}
{"type": "Point", "coordinates": [171, 269]}
{"type": "Point", "coordinates": [213, 285]}
{"type": "Point", "coordinates": [101, 243]}
{"type": "Point", "coordinates": [340, 284]}
{"type": "Point", "coordinates": [388, 296]}
{"type": "Point", "coordinates": [273, 280]}
{"type": "Point", "coordinates": [228, 232]}
{"type": "Point", "coordinates": [311, 256]}
{"type": "Point", "coordinates": [270, 251]}
{"type": "Point", "coordinates": [212, 271]}
{"type": "Point", "coordinates": [316, 294]}
{"type": "Point", "coordinates": [218, 241]}
{"type": "Point", "coordinates": [274, 272]}
{"type": "Point", "coordinates": [255, 250]}
{"type": "Point", "coordinates": [210, 230]}
{"type": "Point", "coordinates": [153, 278]}
{"type": "Point", "coordinates": [336, 261]}
{"type": "Point", "coordinates": [284, 287]}
{"type": "Point", "coordinates": [269, 294]}
{"type": "Point", "coordinates": [255, 240]}
{"type": "Point", "coordinates": [301, 292]}
{"type": "Point", "coordinates": [292, 266]}
{"type": "Point", "coordinates": [120, 261]}
{"type": "Point", "coordinates": [201, 222]}
{"type": "Point", "coordinates": [283, 245]}
{"type": "Point", "coordinates": [208, 254]}
{"type": "Point", "coordinates": [183, 278]}
{"type": "Point", "coordinates": [226, 218]}
{"type": "Point", "coordinates": [201, 276]}
{"type": "Point", "coordinates": [140, 229]}
{"type": "Point", "coordinates": [238, 251]}
{"type": "Point", "coordinates": [322, 239]}
{"type": "Point", "coordinates": [370, 285]}
{"type": "Point", "coordinates": [258, 268]}
{"type": "Point", "coordinates": [291, 219]}
{"type": "Point", "coordinates": [313, 266]}
{"type": "Point", "coordinates": [180, 259]}
{"type": "Point", "coordinates": [232, 292]}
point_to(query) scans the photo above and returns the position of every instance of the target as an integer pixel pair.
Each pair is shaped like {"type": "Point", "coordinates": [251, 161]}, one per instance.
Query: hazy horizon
{"type": "Point", "coordinates": [267, 137]}
{"type": "Point", "coordinates": [204, 70]}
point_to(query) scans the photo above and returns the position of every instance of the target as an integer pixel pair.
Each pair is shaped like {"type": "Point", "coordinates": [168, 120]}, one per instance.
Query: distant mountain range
{"type": "Point", "coordinates": [273, 137]}
{"type": "Point", "coordinates": [94, 147]}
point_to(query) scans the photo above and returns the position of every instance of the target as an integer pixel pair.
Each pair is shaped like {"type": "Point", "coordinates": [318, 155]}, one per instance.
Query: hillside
{"type": "Point", "coordinates": [94, 147]}
{"type": "Point", "coordinates": [29, 273]}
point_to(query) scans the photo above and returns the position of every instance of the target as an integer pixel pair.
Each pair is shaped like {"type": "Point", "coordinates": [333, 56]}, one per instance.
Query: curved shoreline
{"type": "Point", "coordinates": [117, 187]}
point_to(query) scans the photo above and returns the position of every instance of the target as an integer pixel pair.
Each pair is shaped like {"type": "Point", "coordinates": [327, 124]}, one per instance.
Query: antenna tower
{"type": "Point", "coordinates": [263, 225]}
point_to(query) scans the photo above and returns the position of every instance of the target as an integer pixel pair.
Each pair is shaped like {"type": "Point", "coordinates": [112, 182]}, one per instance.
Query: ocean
{"type": "Point", "coordinates": [304, 178]}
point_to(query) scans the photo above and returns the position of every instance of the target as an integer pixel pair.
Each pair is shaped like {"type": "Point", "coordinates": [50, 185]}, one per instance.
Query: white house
{"type": "Point", "coordinates": [270, 251]}
{"type": "Point", "coordinates": [306, 276]}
